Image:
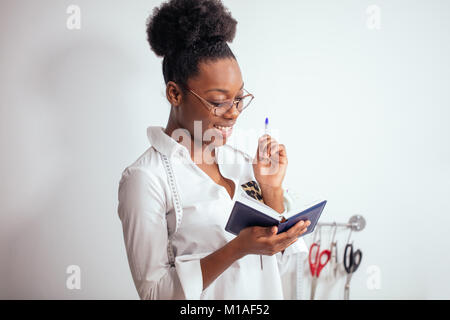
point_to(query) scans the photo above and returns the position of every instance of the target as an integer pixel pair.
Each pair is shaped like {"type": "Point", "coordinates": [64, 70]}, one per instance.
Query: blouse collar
{"type": "Point", "coordinates": [164, 143]}
{"type": "Point", "coordinates": [168, 146]}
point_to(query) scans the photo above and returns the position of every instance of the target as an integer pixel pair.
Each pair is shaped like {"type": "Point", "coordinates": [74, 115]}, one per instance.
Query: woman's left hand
{"type": "Point", "coordinates": [270, 163]}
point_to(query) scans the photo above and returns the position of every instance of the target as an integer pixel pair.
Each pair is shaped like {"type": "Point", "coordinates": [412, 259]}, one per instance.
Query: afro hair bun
{"type": "Point", "coordinates": [180, 24]}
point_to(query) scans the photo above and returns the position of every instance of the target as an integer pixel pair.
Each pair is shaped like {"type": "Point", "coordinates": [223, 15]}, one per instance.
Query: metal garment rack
{"type": "Point", "coordinates": [356, 223]}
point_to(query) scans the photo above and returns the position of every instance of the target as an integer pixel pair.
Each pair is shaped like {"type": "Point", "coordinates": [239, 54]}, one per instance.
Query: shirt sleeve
{"type": "Point", "coordinates": [142, 210]}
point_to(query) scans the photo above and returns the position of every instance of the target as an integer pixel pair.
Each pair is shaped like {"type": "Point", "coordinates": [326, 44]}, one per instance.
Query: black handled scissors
{"type": "Point", "coordinates": [352, 260]}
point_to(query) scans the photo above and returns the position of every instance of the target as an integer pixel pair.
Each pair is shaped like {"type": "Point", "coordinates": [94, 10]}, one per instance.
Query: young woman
{"type": "Point", "coordinates": [175, 199]}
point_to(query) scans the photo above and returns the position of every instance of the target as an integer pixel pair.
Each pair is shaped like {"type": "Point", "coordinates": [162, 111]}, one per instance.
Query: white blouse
{"type": "Point", "coordinates": [146, 211]}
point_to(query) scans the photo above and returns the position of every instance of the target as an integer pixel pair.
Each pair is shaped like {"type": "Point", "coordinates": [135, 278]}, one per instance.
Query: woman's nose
{"type": "Point", "coordinates": [232, 113]}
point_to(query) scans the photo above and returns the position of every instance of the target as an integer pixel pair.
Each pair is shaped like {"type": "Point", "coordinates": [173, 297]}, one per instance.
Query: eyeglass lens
{"type": "Point", "coordinates": [241, 105]}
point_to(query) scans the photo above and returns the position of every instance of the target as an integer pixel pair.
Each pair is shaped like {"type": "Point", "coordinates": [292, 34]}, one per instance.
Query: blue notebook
{"type": "Point", "coordinates": [248, 212]}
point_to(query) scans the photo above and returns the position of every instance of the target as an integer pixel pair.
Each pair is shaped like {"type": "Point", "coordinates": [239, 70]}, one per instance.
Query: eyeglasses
{"type": "Point", "coordinates": [220, 109]}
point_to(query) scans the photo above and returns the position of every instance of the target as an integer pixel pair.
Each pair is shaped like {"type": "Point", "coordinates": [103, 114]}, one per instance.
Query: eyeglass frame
{"type": "Point", "coordinates": [210, 106]}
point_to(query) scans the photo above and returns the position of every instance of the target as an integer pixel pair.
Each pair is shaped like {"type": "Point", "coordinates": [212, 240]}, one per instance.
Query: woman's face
{"type": "Point", "coordinates": [219, 81]}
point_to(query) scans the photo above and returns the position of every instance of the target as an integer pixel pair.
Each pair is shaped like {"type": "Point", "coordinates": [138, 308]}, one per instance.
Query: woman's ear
{"type": "Point", "coordinates": [174, 94]}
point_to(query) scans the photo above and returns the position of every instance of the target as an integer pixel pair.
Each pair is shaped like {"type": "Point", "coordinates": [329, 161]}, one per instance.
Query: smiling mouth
{"type": "Point", "coordinates": [225, 131]}
{"type": "Point", "coordinates": [223, 128]}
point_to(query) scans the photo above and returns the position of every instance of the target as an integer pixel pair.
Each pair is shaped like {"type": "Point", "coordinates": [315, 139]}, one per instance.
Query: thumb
{"type": "Point", "coordinates": [272, 230]}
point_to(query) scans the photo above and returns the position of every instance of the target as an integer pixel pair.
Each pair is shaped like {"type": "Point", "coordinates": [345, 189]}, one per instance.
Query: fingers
{"type": "Point", "coordinates": [264, 240]}
{"type": "Point", "coordinates": [265, 231]}
{"type": "Point", "coordinates": [285, 239]}
{"type": "Point", "coordinates": [274, 151]}
{"type": "Point", "coordinates": [270, 151]}
{"type": "Point", "coordinates": [274, 243]}
{"type": "Point", "coordinates": [299, 228]}
{"type": "Point", "coordinates": [272, 231]}
{"type": "Point", "coordinates": [282, 151]}
{"type": "Point", "coordinates": [267, 146]}
{"type": "Point", "coordinates": [262, 154]}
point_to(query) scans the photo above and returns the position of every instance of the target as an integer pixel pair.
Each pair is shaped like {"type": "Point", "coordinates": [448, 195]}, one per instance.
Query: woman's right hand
{"type": "Point", "coordinates": [266, 241]}
{"type": "Point", "coordinates": [252, 240]}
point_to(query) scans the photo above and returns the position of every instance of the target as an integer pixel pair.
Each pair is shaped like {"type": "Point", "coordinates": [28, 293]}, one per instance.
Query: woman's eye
{"type": "Point", "coordinates": [218, 104]}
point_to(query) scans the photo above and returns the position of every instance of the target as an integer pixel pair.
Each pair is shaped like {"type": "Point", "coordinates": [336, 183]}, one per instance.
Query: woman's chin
{"type": "Point", "coordinates": [219, 137]}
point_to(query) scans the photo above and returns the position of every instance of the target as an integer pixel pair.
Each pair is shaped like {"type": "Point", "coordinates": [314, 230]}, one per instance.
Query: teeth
{"type": "Point", "coordinates": [223, 128]}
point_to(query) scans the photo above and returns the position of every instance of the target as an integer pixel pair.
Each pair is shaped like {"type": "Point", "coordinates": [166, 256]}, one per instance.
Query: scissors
{"type": "Point", "coordinates": [317, 263]}
{"type": "Point", "coordinates": [352, 260]}
{"type": "Point", "coordinates": [334, 255]}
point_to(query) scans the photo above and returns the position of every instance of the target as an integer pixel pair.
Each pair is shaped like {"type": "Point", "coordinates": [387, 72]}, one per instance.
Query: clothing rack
{"type": "Point", "coordinates": [356, 223]}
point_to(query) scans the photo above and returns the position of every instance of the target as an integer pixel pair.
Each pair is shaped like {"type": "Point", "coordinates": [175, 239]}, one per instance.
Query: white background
{"type": "Point", "coordinates": [363, 113]}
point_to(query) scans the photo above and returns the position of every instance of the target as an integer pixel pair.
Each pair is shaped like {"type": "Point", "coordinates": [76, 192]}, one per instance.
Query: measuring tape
{"type": "Point", "coordinates": [176, 205]}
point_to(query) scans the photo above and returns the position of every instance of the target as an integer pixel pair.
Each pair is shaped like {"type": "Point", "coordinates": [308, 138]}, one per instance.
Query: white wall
{"type": "Point", "coordinates": [364, 115]}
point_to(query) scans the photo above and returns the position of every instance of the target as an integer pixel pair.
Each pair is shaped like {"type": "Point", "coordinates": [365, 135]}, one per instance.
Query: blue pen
{"type": "Point", "coordinates": [266, 131]}
{"type": "Point", "coordinates": [266, 128]}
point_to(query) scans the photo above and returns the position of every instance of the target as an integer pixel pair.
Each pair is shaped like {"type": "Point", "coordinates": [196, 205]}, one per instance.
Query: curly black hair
{"type": "Point", "coordinates": [187, 32]}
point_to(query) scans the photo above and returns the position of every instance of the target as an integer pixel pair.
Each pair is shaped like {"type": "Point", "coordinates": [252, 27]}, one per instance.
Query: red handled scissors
{"type": "Point", "coordinates": [317, 261]}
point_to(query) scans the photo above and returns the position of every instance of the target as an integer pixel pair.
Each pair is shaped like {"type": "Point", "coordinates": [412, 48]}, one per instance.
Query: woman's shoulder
{"type": "Point", "coordinates": [147, 166]}
{"type": "Point", "coordinates": [142, 188]}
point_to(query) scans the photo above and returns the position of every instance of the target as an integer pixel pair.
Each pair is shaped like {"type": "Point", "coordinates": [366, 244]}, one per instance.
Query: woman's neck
{"type": "Point", "coordinates": [195, 146]}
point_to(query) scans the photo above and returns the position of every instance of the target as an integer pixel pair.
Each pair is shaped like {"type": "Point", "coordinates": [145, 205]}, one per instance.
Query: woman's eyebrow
{"type": "Point", "coordinates": [223, 90]}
